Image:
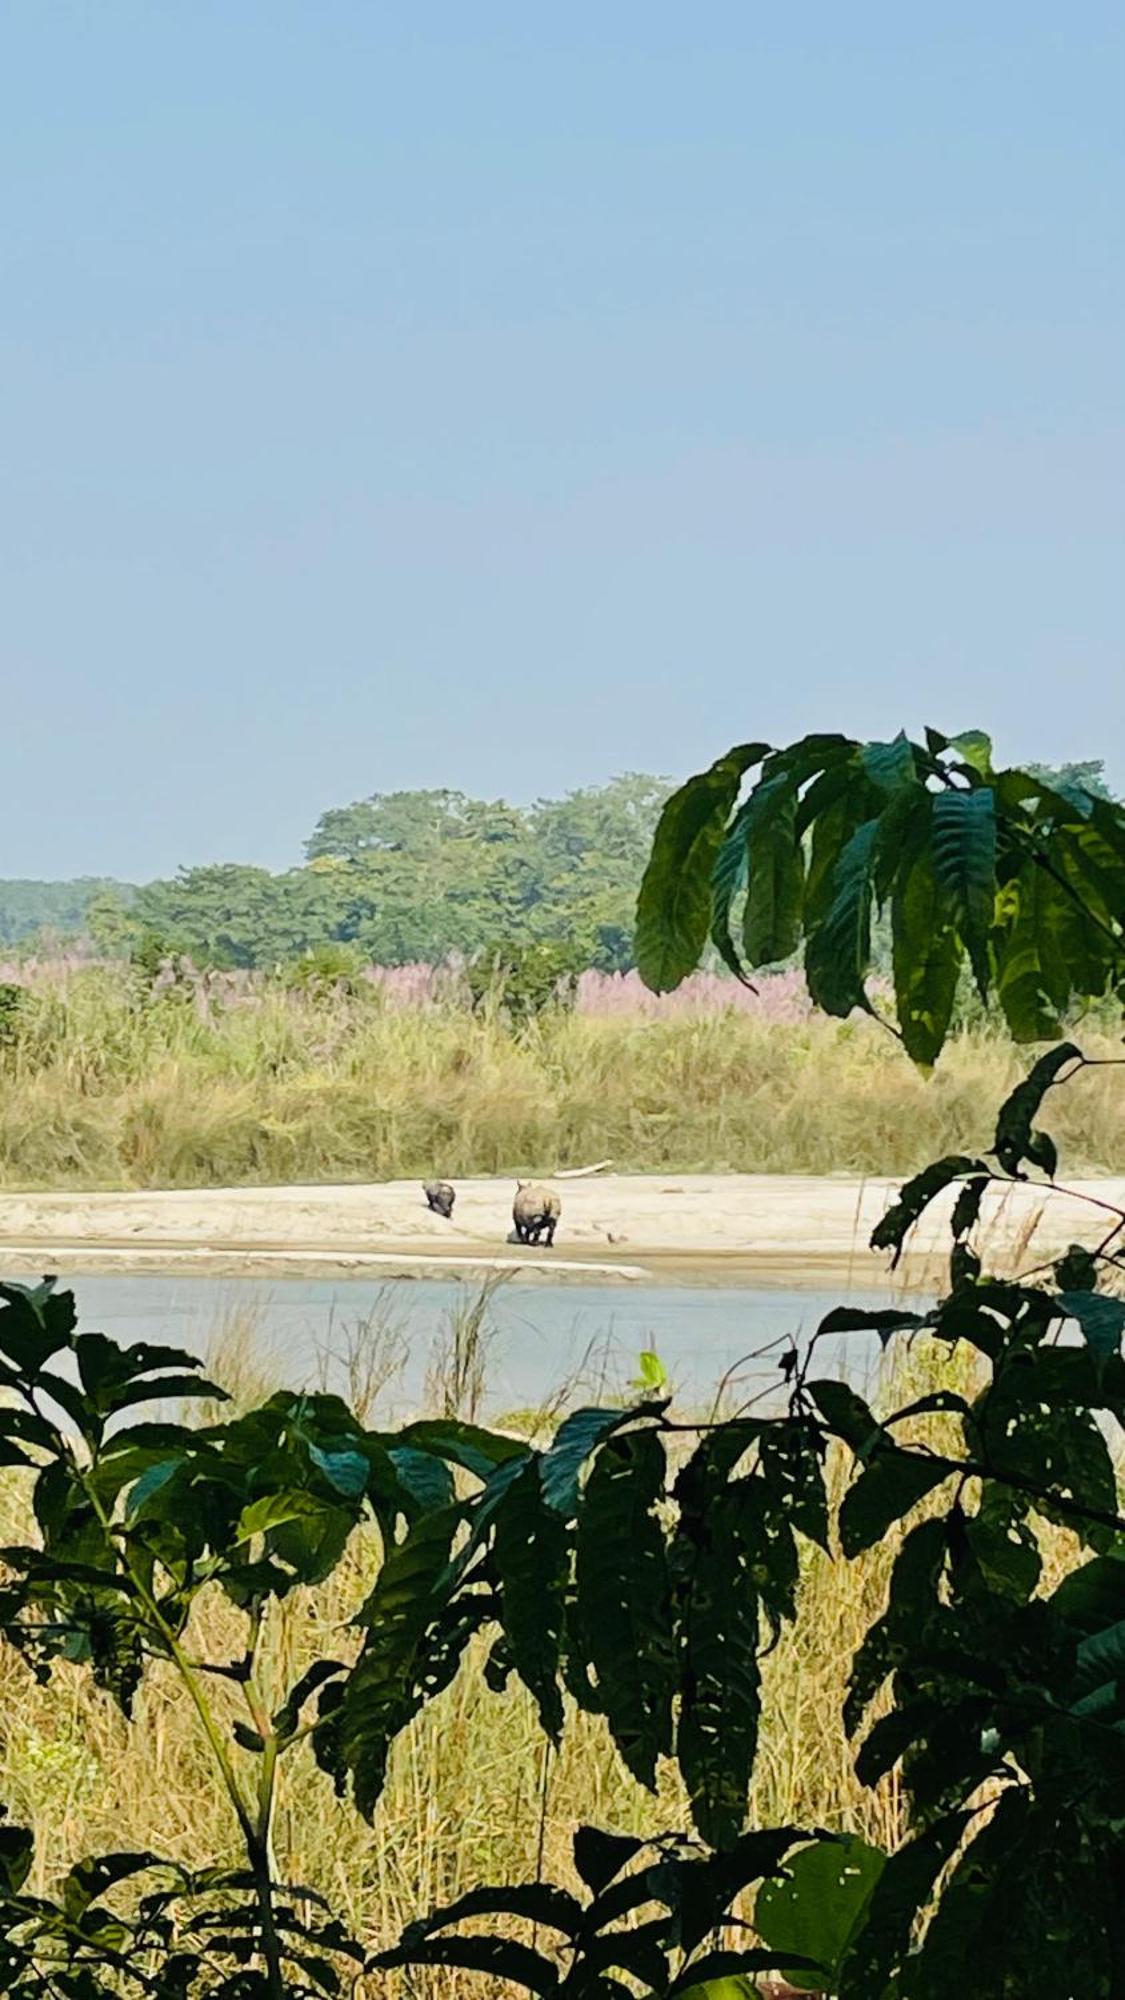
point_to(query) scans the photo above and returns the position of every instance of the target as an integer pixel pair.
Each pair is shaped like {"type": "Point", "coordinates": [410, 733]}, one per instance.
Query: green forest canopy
{"type": "Point", "coordinates": [402, 876]}
{"type": "Point", "coordinates": [405, 877]}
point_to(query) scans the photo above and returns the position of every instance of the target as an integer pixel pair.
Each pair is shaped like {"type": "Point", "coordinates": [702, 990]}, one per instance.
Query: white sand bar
{"type": "Point", "coordinates": [628, 1226]}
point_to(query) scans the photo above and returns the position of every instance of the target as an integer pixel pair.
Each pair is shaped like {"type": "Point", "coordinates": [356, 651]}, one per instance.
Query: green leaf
{"type": "Point", "coordinates": [424, 1480]}
{"type": "Point", "coordinates": [1039, 959]}
{"type": "Point", "coordinates": [728, 879]}
{"type": "Point", "coordinates": [674, 905]}
{"type": "Point", "coordinates": [1014, 1136]}
{"type": "Point", "coordinates": [533, 1902]}
{"type": "Point", "coordinates": [819, 1906]}
{"type": "Point", "coordinates": [89, 1879]}
{"type": "Point", "coordinates": [500, 1958]}
{"type": "Point", "coordinates": [975, 749]}
{"type": "Point", "coordinates": [724, 1986]}
{"type": "Point", "coordinates": [915, 1578]}
{"type": "Point", "coordinates": [891, 1483]}
{"type": "Point", "coordinates": [623, 1598]}
{"type": "Point", "coordinates": [344, 1469]}
{"type": "Point", "coordinates": [576, 1438]}
{"type": "Point", "coordinates": [149, 1484]}
{"type": "Point", "coordinates": [838, 950]}
{"type": "Point", "coordinates": [382, 1693]}
{"type": "Point", "coordinates": [891, 765]}
{"type": "Point", "coordinates": [478, 1451]}
{"type": "Point", "coordinates": [531, 1551]}
{"type": "Point", "coordinates": [274, 1509]}
{"type": "Point", "coordinates": [720, 1703]}
{"type": "Point", "coordinates": [652, 1373]}
{"type": "Point", "coordinates": [771, 927]}
{"type": "Point", "coordinates": [885, 1932]}
{"type": "Point", "coordinates": [964, 855]}
{"type": "Point", "coordinates": [1101, 1319]}
{"type": "Point", "coordinates": [966, 1208]}
{"type": "Point", "coordinates": [926, 957]}
{"type": "Point", "coordinates": [1100, 1660]}
{"type": "Point", "coordinates": [791, 1462]}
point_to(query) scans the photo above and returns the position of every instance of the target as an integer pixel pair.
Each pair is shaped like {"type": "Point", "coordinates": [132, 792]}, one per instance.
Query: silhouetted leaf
{"type": "Point", "coordinates": [966, 1208]}
{"type": "Point", "coordinates": [36, 1322]}
{"type": "Point", "coordinates": [674, 905]}
{"type": "Point", "coordinates": [600, 1857]}
{"type": "Point", "coordinates": [877, 1950]}
{"type": "Point", "coordinates": [926, 956]}
{"type": "Point", "coordinates": [1014, 1125]}
{"type": "Point", "coordinates": [501, 1958]}
{"type": "Point", "coordinates": [382, 1693]}
{"type": "Point", "coordinates": [846, 1414]}
{"type": "Point", "coordinates": [891, 1483]}
{"type": "Point", "coordinates": [915, 1196]}
{"type": "Point", "coordinates": [1077, 1271]}
{"type": "Point", "coordinates": [531, 1551]}
{"type": "Point", "coordinates": [720, 1700]}
{"type": "Point", "coordinates": [883, 1320]}
{"type": "Point", "coordinates": [623, 1598]}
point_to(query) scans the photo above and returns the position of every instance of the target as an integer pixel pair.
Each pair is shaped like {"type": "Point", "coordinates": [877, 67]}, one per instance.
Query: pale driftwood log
{"type": "Point", "coordinates": [579, 1173]}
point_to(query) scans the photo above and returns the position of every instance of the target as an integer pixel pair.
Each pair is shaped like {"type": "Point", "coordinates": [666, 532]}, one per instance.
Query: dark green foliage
{"type": "Point", "coordinates": [687, 1897]}
{"type": "Point", "coordinates": [409, 876]}
{"type": "Point", "coordinates": [674, 905]}
{"type": "Point", "coordinates": [820, 1904]}
{"type": "Point", "coordinates": [1023, 878]}
{"type": "Point", "coordinates": [624, 1598]}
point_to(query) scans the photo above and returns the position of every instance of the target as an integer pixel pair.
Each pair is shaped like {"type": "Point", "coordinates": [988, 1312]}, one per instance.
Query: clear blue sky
{"type": "Point", "coordinates": [500, 396]}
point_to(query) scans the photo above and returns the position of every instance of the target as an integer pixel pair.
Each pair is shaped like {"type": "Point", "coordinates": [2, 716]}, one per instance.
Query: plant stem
{"type": "Point", "coordinates": [259, 1846]}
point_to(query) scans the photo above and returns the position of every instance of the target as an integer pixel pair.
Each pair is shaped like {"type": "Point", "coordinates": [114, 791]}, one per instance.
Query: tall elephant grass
{"type": "Point", "coordinates": [473, 1793]}
{"type": "Point", "coordinates": [103, 1085]}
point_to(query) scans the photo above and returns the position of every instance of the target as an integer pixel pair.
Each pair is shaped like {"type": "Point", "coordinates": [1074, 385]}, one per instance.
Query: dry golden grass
{"type": "Point", "coordinates": [107, 1090]}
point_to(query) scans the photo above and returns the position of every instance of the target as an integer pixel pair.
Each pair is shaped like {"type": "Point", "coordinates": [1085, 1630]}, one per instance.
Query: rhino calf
{"type": "Point", "coordinates": [440, 1197]}
{"type": "Point", "coordinates": [535, 1212]}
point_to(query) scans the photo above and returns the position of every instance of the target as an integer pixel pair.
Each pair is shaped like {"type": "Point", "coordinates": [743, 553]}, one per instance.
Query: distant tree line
{"type": "Point", "coordinates": [399, 878]}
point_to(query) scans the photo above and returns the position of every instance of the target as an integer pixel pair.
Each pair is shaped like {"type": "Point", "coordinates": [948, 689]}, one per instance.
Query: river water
{"type": "Point", "coordinates": [542, 1340]}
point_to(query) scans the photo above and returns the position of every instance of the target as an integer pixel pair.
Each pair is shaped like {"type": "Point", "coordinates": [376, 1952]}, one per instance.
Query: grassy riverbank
{"type": "Point", "coordinates": [105, 1086]}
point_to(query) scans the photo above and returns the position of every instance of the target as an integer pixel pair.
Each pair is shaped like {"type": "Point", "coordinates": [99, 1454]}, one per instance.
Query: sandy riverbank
{"type": "Point", "coordinates": [689, 1227]}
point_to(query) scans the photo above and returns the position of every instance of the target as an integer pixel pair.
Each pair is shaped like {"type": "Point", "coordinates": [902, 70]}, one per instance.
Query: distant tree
{"type": "Point", "coordinates": [108, 924]}
{"type": "Point", "coordinates": [28, 907]}
{"type": "Point", "coordinates": [1070, 779]}
{"type": "Point", "coordinates": [388, 822]}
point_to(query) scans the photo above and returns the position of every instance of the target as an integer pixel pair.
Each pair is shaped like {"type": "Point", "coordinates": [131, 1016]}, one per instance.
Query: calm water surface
{"type": "Point", "coordinates": [543, 1336]}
